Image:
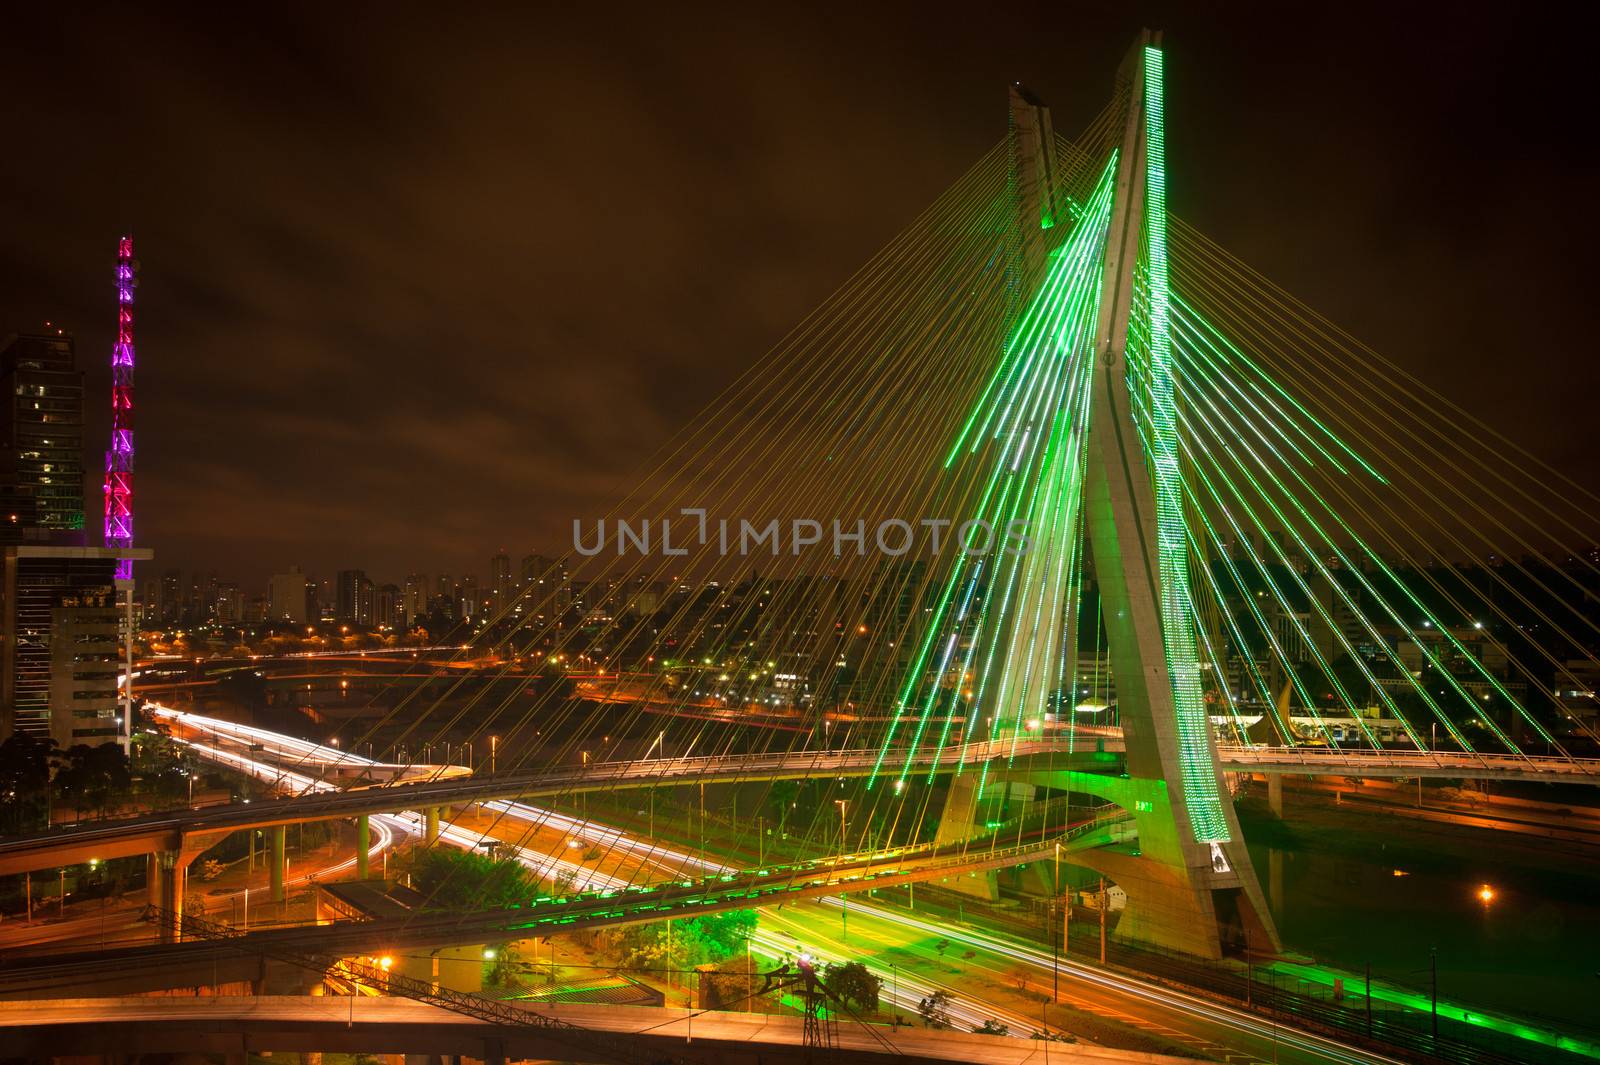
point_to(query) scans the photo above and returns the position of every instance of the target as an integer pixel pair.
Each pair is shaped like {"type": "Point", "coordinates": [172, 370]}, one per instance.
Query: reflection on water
{"type": "Point", "coordinates": [1526, 946]}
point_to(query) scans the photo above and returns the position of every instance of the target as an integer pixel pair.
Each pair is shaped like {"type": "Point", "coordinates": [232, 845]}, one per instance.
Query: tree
{"type": "Point", "coordinates": [461, 880]}
{"type": "Point", "coordinates": [704, 940]}
{"type": "Point", "coordinates": [93, 777]}
{"type": "Point", "coordinates": [734, 986]}
{"type": "Point", "coordinates": [502, 962]}
{"type": "Point", "coordinates": [992, 1027]}
{"type": "Point", "coordinates": [24, 781]}
{"type": "Point", "coordinates": [935, 1010]}
{"type": "Point", "coordinates": [781, 798]}
{"type": "Point", "coordinates": [855, 984]}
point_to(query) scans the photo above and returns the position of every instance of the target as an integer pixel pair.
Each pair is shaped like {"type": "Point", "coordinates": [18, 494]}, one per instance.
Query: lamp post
{"type": "Point", "coordinates": [494, 747]}
{"type": "Point", "coordinates": [1433, 990]}
{"type": "Point", "coordinates": [844, 907]}
{"type": "Point", "coordinates": [1055, 960]}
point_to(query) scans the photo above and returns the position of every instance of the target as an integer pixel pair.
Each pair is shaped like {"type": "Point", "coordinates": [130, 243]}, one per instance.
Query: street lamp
{"type": "Point", "coordinates": [844, 907]}
{"type": "Point", "coordinates": [494, 747]}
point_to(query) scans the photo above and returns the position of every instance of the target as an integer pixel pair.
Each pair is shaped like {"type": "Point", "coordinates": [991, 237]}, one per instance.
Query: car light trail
{"type": "Point", "coordinates": [1238, 1020]}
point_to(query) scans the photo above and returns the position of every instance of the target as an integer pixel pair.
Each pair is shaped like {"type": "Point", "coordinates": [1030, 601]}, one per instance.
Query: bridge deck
{"type": "Point", "coordinates": [164, 831]}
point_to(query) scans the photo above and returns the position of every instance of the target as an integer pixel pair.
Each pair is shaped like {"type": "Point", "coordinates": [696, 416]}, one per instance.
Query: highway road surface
{"type": "Point", "coordinates": [239, 1025]}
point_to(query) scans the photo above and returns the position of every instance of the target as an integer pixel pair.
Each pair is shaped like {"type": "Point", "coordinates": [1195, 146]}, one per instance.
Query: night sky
{"type": "Point", "coordinates": [419, 287]}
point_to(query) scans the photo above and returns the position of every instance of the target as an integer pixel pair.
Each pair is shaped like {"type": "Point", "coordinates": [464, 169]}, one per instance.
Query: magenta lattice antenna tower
{"type": "Point", "coordinates": [119, 458]}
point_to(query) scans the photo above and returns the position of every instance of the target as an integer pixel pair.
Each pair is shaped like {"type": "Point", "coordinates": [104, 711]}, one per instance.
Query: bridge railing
{"type": "Point", "coordinates": [1441, 760]}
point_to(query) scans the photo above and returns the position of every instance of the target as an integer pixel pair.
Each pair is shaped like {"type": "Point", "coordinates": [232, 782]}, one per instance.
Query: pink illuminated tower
{"type": "Point", "coordinates": [119, 458]}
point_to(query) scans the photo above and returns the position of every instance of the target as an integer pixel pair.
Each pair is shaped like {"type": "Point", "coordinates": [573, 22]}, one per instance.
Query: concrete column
{"type": "Point", "coordinates": [277, 860]}
{"type": "Point", "coordinates": [1275, 794]}
{"type": "Point", "coordinates": [171, 871]}
{"type": "Point", "coordinates": [152, 878]}
{"type": "Point", "coordinates": [431, 831]}
{"type": "Point", "coordinates": [363, 844]}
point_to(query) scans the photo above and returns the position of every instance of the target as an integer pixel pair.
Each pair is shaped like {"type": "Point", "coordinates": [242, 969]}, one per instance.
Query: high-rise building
{"type": "Point", "coordinates": [205, 604]}
{"type": "Point", "coordinates": [227, 606]}
{"type": "Point", "coordinates": [62, 612]}
{"type": "Point", "coordinates": [471, 604]}
{"type": "Point", "coordinates": [59, 623]}
{"type": "Point", "coordinates": [150, 602]}
{"type": "Point", "coordinates": [500, 581]}
{"type": "Point", "coordinates": [389, 606]}
{"type": "Point", "coordinates": [444, 597]}
{"type": "Point", "coordinates": [41, 441]}
{"type": "Point", "coordinates": [171, 597]}
{"type": "Point", "coordinates": [353, 597]}
{"type": "Point", "coordinates": [289, 597]}
{"type": "Point", "coordinates": [366, 601]}
{"type": "Point", "coordinates": [416, 597]}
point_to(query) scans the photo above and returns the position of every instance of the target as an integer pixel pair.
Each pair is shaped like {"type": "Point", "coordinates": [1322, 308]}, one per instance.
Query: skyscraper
{"type": "Point", "coordinates": [41, 440]}
{"type": "Point", "coordinates": [353, 597]}
{"type": "Point", "coordinates": [171, 597]}
{"type": "Point", "coordinates": [416, 604]}
{"type": "Point", "coordinates": [59, 619]}
{"type": "Point", "coordinates": [500, 581]}
{"type": "Point", "coordinates": [389, 606]}
{"type": "Point", "coordinates": [444, 597]}
{"type": "Point", "coordinates": [289, 597]}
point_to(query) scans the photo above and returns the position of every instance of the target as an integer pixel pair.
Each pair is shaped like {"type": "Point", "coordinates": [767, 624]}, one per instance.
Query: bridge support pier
{"type": "Point", "coordinates": [278, 860]}
{"type": "Point", "coordinates": [1275, 794]}
{"type": "Point", "coordinates": [363, 844]}
{"type": "Point", "coordinates": [959, 821]}
{"type": "Point", "coordinates": [166, 873]}
{"type": "Point", "coordinates": [430, 832]}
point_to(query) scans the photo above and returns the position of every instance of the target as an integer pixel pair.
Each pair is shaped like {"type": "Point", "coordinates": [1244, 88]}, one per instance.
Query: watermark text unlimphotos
{"type": "Point", "coordinates": [893, 537]}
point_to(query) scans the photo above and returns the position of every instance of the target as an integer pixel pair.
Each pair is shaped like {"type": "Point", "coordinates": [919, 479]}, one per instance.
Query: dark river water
{"type": "Point", "coordinates": [1532, 949]}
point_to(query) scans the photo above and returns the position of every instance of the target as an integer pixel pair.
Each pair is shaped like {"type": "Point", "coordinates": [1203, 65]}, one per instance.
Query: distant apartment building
{"type": "Point", "coordinates": [354, 596]}
{"type": "Point", "coordinates": [172, 597]}
{"type": "Point", "coordinates": [416, 597]}
{"type": "Point", "coordinates": [500, 586]}
{"type": "Point", "coordinates": [289, 597]}
{"type": "Point", "coordinates": [227, 605]}
{"type": "Point", "coordinates": [444, 597]}
{"type": "Point", "coordinates": [389, 607]}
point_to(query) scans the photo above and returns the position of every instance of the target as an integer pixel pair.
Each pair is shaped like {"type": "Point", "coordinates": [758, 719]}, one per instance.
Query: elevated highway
{"type": "Point", "coordinates": [195, 961]}
{"type": "Point", "coordinates": [166, 831]}
{"type": "Point", "coordinates": [443, 786]}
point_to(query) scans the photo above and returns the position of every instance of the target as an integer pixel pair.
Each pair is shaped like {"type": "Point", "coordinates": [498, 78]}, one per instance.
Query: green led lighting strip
{"type": "Point", "coordinates": [1201, 794]}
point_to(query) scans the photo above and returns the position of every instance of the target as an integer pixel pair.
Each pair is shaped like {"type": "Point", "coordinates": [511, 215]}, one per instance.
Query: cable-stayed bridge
{"type": "Point", "coordinates": [1051, 456]}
